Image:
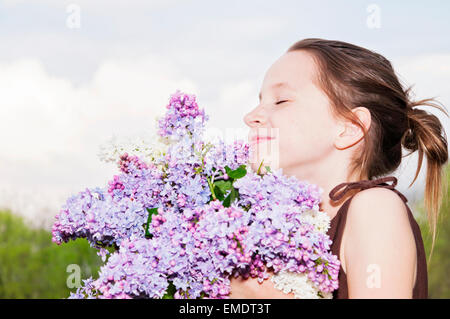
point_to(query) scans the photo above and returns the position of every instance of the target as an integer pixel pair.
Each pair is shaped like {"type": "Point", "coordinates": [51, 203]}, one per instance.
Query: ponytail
{"type": "Point", "coordinates": [426, 135]}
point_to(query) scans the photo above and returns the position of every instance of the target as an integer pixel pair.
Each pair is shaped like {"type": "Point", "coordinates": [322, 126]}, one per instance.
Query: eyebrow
{"type": "Point", "coordinates": [277, 85]}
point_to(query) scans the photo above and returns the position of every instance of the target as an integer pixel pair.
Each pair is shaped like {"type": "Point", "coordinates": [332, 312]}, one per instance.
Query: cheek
{"type": "Point", "coordinates": [303, 137]}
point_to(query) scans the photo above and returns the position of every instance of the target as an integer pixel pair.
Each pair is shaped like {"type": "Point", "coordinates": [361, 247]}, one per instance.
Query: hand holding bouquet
{"type": "Point", "coordinates": [187, 214]}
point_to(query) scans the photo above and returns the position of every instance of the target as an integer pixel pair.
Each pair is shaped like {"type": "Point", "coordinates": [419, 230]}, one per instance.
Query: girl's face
{"type": "Point", "coordinates": [295, 115]}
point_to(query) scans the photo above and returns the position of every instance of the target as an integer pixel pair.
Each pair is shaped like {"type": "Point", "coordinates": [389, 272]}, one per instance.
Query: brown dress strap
{"type": "Point", "coordinates": [364, 184]}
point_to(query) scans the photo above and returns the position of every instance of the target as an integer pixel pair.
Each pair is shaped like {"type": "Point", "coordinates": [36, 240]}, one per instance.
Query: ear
{"type": "Point", "coordinates": [349, 133]}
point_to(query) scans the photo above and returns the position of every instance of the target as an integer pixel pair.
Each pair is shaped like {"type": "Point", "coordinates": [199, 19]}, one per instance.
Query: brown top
{"type": "Point", "coordinates": [420, 290]}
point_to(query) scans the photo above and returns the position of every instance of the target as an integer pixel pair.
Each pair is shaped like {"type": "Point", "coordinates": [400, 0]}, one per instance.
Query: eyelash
{"type": "Point", "coordinates": [280, 102]}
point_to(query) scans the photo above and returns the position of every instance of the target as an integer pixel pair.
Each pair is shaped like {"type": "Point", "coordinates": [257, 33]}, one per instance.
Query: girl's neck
{"type": "Point", "coordinates": [327, 181]}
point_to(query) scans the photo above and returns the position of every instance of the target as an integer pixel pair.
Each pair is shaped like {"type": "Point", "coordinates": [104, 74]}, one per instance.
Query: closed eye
{"type": "Point", "coordinates": [280, 102]}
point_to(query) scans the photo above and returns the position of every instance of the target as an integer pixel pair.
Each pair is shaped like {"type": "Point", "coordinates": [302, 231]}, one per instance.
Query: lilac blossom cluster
{"type": "Point", "coordinates": [183, 118]}
{"type": "Point", "coordinates": [278, 231]}
{"type": "Point", "coordinates": [183, 224]}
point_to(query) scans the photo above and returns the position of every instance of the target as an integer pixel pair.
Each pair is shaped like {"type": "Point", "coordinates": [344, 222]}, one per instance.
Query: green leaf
{"type": "Point", "coordinates": [219, 193]}
{"type": "Point", "coordinates": [233, 195]}
{"type": "Point", "coordinates": [170, 292]}
{"type": "Point", "coordinates": [227, 201]}
{"type": "Point", "coordinates": [151, 212]}
{"type": "Point", "coordinates": [223, 185]}
{"type": "Point", "coordinates": [238, 172]}
{"type": "Point", "coordinates": [236, 191]}
{"type": "Point", "coordinates": [228, 170]}
{"type": "Point", "coordinates": [267, 168]}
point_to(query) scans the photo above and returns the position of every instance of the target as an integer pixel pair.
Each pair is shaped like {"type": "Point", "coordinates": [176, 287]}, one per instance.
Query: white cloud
{"type": "Point", "coordinates": [42, 115]}
{"type": "Point", "coordinates": [51, 130]}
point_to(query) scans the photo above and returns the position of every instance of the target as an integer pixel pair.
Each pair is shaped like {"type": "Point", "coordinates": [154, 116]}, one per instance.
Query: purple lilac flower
{"type": "Point", "coordinates": [195, 244]}
{"type": "Point", "coordinates": [96, 216]}
{"type": "Point", "coordinates": [183, 117]}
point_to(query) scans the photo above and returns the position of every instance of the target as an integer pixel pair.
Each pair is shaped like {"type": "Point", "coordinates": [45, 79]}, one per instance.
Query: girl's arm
{"type": "Point", "coordinates": [379, 246]}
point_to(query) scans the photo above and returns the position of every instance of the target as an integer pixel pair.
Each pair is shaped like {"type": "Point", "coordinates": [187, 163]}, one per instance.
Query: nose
{"type": "Point", "coordinates": [257, 117]}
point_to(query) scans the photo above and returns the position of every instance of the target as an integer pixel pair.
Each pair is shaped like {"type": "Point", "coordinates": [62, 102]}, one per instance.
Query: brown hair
{"type": "Point", "coordinates": [353, 76]}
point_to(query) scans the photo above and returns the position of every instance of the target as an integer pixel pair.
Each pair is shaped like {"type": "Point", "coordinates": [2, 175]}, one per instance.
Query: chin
{"type": "Point", "coordinates": [254, 166]}
{"type": "Point", "coordinates": [270, 159]}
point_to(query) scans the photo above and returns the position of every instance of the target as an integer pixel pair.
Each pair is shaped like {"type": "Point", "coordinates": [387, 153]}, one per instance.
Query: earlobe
{"type": "Point", "coordinates": [351, 133]}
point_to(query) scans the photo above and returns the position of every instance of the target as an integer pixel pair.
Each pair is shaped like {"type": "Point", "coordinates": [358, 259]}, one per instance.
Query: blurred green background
{"type": "Point", "coordinates": [31, 266]}
{"type": "Point", "coordinates": [439, 265]}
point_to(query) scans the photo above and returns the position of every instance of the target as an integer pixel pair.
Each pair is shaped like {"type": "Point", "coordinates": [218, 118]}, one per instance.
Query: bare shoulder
{"type": "Point", "coordinates": [378, 205]}
{"type": "Point", "coordinates": [378, 232]}
{"type": "Point", "coordinates": [378, 217]}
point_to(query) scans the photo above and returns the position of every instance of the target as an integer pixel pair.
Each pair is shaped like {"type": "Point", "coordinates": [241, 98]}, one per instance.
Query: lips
{"type": "Point", "coordinates": [257, 139]}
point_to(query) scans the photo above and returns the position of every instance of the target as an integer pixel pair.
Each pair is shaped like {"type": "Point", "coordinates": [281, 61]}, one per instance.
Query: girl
{"type": "Point", "coordinates": [340, 117]}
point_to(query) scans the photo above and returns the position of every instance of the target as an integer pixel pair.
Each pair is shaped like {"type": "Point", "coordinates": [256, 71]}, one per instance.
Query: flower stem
{"type": "Point", "coordinates": [211, 188]}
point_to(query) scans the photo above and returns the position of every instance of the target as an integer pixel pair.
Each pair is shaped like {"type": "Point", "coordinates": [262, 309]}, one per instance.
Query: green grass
{"type": "Point", "coordinates": [32, 266]}
{"type": "Point", "coordinates": [439, 265]}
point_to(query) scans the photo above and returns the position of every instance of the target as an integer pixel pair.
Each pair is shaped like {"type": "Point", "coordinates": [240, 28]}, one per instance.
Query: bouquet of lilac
{"type": "Point", "coordinates": [186, 215]}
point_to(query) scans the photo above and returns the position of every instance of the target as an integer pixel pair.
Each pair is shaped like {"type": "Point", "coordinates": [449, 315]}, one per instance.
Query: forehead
{"type": "Point", "coordinates": [293, 70]}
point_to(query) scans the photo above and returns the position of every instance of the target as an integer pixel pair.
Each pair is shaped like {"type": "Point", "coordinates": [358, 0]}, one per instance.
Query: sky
{"type": "Point", "coordinates": [75, 73]}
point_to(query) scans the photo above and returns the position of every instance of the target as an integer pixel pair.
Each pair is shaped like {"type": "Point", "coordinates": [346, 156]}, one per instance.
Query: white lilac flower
{"type": "Point", "coordinates": [148, 148]}
{"type": "Point", "coordinates": [319, 219]}
{"type": "Point", "coordinates": [298, 284]}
